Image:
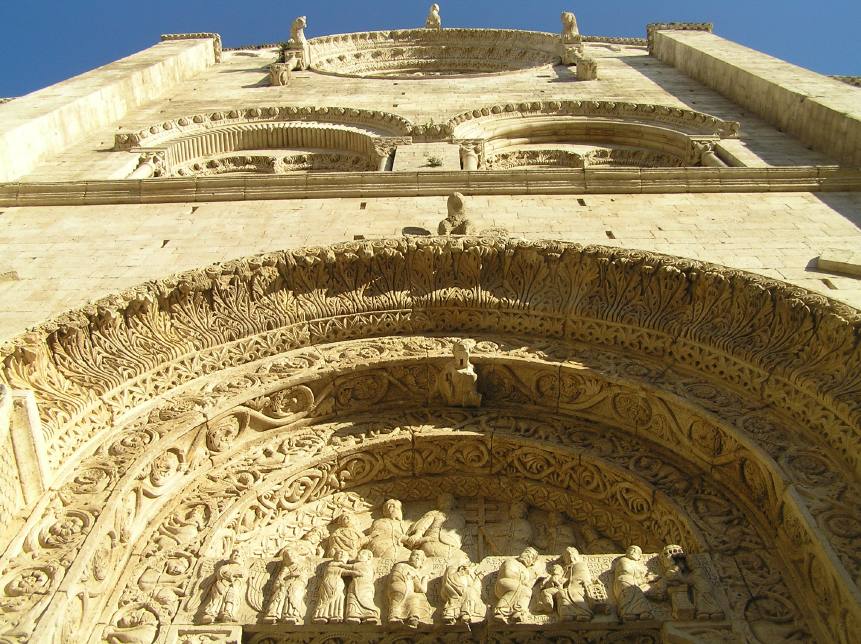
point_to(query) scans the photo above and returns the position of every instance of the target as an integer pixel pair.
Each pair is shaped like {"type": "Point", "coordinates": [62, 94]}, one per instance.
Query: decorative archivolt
{"type": "Point", "coordinates": [432, 52]}
{"type": "Point", "coordinates": [772, 366]}
{"type": "Point", "coordinates": [376, 122]}
{"type": "Point", "coordinates": [202, 474]}
{"type": "Point", "coordinates": [478, 122]}
{"type": "Point", "coordinates": [586, 133]}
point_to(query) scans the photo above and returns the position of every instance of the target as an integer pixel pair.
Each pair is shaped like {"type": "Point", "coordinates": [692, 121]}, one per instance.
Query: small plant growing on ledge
{"type": "Point", "coordinates": [433, 162]}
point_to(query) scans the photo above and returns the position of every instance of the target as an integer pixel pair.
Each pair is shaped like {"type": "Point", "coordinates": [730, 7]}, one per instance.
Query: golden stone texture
{"type": "Point", "coordinates": [508, 432]}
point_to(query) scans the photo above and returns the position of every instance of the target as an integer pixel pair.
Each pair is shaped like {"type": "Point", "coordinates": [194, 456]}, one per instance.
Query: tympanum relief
{"type": "Point", "coordinates": [364, 560]}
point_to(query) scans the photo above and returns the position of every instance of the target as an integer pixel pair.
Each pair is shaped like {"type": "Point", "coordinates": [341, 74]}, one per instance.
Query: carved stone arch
{"type": "Point", "coordinates": [776, 363]}
{"type": "Point", "coordinates": [428, 53]}
{"type": "Point", "coordinates": [266, 140]}
{"type": "Point", "coordinates": [585, 133]}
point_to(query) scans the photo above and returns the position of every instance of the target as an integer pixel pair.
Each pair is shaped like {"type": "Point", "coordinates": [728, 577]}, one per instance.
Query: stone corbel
{"type": "Point", "coordinates": [21, 428]}
{"type": "Point", "coordinates": [280, 74]}
{"type": "Point", "coordinates": [150, 164]}
{"type": "Point", "coordinates": [587, 68]}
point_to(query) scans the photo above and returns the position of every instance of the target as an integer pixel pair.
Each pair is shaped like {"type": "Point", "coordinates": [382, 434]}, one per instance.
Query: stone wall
{"type": "Point", "coordinates": [64, 256]}
{"type": "Point", "coordinates": [47, 122]}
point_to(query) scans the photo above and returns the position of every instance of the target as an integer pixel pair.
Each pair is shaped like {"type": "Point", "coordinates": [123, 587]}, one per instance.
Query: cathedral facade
{"type": "Point", "coordinates": [432, 334]}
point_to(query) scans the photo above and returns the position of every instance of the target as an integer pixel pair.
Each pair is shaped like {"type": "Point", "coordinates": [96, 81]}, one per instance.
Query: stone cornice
{"type": "Point", "coordinates": [631, 41]}
{"type": "Point", "coordinates": [428, 183]}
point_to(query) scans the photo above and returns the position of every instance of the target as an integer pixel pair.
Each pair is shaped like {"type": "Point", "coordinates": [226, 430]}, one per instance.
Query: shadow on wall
{"type": "Point", "coordinates": [766, 141]}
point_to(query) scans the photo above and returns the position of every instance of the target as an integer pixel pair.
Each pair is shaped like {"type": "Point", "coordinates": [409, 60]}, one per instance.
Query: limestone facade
{"type": "Point", "coordinates": [432, 334]}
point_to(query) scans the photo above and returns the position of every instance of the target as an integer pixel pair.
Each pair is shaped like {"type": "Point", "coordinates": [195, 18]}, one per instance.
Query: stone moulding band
{"type": "Point", "coordinates": [610, 40]}
{"type": "Point", "coordinates": [598, 180]}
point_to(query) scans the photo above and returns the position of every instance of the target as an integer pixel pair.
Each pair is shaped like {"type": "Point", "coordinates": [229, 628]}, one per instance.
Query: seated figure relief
{"type": "Point", "coordinates": [438, 532]}
{"type": "Point", "coordinates": [514, 584]}
{"type": "Point", "coordinates": [387, 535]}
{"type": "Point", "coordinates": [512, 535]}
{"type": "Point", "coordinates": [632, 582]}
{"type": "Point", "coordinates": [407, 592]}
{"type": "Point", "coordinates": [461, 591]}
{"type": "Point", "coordinates": [690, 593]}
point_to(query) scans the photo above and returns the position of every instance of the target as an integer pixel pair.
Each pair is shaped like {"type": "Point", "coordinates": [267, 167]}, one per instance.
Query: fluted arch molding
{"type": "Point", "coordinates": [783, 356]}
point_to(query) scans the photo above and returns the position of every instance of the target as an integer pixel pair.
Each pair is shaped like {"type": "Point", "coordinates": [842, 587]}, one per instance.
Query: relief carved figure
{"type": "Point", "coordinates": [596, 543]}
{"type": "Point", "coordinates": [164, 581]}
{"type": "Point", "coordinates": [361, 607]}
{"type": "Point", "coordinates": [572, 602]}
{"type": "Point", "coordinates": [223, 597]}
{"type": "Point", "coordinates": [459, 382]}
{"type": "Point", "coordinates": [554, 534]}
{"type": "Point", "coordinates": [461, 591]}
{"type": "Point", "coordinates": [331, 592]}
{"type": "Point", "coordinates": [456, 222]}
{"type": "Point", "coordinates": [345, 537]}
{"type": "Point", "coordinates": [690, 593]}
{"type": "Point", "coordinates": [387, 535]}
{"type": "Point", "coordinates": [135, 624]}
{"type": "Point", "coordinates": [632, 581]}
{"type": "Point", "coordinates": [298, 43]}
{"type": "Point", "coordinates": [511, 536]}
{"type": "Point", "coordinates": [433, 20]}
{"type": "Point", "coordinates": [570, 32]}
{"type": "Point", "coordinates": [408, 585]}
{"type": "Point", "coordinates": [298, 561]}
{"type": "Point", "coordinates": [438, 532]}
{"type": "Point", "coordinates": [514, 584]}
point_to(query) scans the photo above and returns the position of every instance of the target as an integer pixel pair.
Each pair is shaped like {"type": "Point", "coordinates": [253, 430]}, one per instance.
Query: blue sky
{"type": "Point", "coordinates": [43, 42]}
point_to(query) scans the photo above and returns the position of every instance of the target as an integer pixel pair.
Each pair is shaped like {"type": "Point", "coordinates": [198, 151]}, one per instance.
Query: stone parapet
{"type": "Point", "coordinates": [821, 111]}
{"type": "Point", "coordinates": [46, 122]}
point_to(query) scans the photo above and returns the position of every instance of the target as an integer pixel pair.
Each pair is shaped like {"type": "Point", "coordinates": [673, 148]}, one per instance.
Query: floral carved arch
{"type": "Point", "coordinates": [724, 405]}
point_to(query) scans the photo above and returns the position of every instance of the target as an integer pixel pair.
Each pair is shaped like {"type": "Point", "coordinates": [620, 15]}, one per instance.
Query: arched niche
{"type": "Point", "coordinates": [588, 133]}
{"type": "Point", "coordinates": [745, 384]}
{"type": "Point", "coordinates": [428, 53]}
{"type": "Point", "coordinates": [266, 140]}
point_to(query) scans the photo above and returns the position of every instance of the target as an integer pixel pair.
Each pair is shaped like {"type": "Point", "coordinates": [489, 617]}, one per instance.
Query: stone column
{"type": "Point", "coordinates": [149, 165]}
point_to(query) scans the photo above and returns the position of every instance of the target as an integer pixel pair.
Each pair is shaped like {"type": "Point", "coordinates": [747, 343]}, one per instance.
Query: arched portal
{"type": "Point", "coordinates": [196, 427]}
